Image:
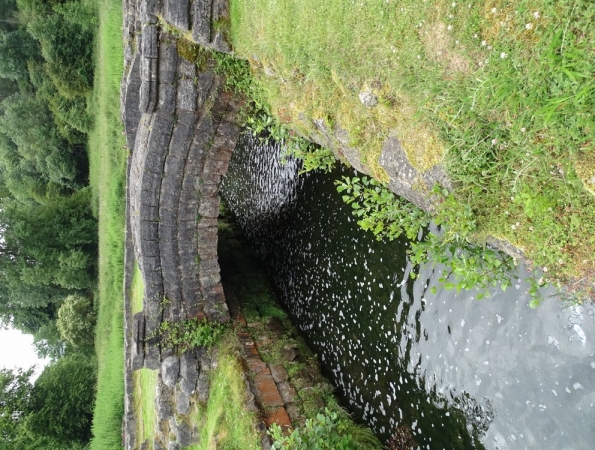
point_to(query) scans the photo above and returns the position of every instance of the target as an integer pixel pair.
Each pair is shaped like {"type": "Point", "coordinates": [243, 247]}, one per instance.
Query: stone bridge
{"type": "Point", "coordinates": [181, 126]}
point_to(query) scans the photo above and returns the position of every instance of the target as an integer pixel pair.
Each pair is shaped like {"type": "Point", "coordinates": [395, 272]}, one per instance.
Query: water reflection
{"type": "Point", "coordinates": [461, 373]}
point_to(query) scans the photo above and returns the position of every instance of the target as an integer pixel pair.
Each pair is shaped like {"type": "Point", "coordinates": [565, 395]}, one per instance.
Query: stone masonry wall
{"type": "Point", "coordinates": [181, 127]}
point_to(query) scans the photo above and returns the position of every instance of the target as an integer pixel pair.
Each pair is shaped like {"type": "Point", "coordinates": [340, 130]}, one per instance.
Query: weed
{"type": "Point", "coordinates": [190, 333]}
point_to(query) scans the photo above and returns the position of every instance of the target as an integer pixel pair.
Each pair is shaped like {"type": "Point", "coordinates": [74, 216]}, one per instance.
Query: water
{"type": "Point", "coordinates": [461, 373]}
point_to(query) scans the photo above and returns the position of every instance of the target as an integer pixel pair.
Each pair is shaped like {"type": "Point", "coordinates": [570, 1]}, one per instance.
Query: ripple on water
{"type": "Point", "coordinates": [461, 373]}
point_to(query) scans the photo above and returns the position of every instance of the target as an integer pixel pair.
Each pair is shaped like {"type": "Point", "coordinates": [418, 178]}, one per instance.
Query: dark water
{"type": "Point", "coordinates": [461, 373]}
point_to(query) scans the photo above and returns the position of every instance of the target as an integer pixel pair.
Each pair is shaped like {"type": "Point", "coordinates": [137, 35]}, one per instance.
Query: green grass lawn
{"type": "Point", "coordinates": [499, 91]}
{"type": "Point", "coordinates": [108, 178]}
{"type": "Point", "coordinates": [145, 385]}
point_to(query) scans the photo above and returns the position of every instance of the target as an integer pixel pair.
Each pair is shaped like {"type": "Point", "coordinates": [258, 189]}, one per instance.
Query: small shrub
{"type": "Point", "coordinates": [325, 432]}
{"type": "Point", "coordinates": [191, 333]}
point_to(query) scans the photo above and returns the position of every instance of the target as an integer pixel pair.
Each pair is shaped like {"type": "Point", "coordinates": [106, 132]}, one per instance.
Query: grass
{"type": "Point", "coordinates": [145, 385]}
{"type": "Point", "coordinates": [137, 291]}
{"type": "Point", "coordinates": [225, 423]}
{"type": "Point", "coordinates": [107, 179]}
{"type": "Point", "coordinates": [500, 92]}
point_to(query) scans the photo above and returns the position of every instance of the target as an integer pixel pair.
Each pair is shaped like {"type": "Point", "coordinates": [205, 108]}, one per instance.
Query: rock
{"type": "Point", "coordinates": [287, 392]}
{"type": "Point", "coordinates": [157, 445]}
{"type": "Point", "coordinates": [368, 99]}
{"type": "Point", "coordinates": [144, 445]}
{"type": "Point", "coordinates": [184, 434]}
{"type": "Point", "coordinates": [279, 373]}
{"type": "Point", "coordinates": [170, 370]}
{"type": "Point", "coordinates": [173, 446]}
{"type": "Point", "coordinates": [202, 387]}
{"type": "Point", "coordinates": [182, 402]}
{"type": "Point", "coordinates": [164, 402]}
{"type": "Point", "coordinates": [189, 372]}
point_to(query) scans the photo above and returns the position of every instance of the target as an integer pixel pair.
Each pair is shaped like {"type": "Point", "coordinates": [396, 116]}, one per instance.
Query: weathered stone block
{"type": "Point", "coordinates": [188, 118]}
{"type": "Point", "coordinates": [186, 95]}
{"type": "Point", "coordinates": [149, 10]}
{"type": "Point", "coordinates": [170, 370]}
{"type": "Point", "coordinates": [148, 231]}
{"type": "Point", "coordinates": [187, 69]}
{"type": "Point", "coordinates": [202, 388]}
{"type": "Point", "coordinates": [149, 43]}
{"type": "Point", "coordinates": [150, 248]}
{"type": "Point", "coordinates": [176, 12]}
{"type": "Point", "coordinates": [206, 82]}
{"type": "Point", "coordinates": [167, 232]}
{"type": "Point", "coordinates": [131, 112]}
{"type": "Point", "coordinates": [181, 140]}
{"type": "Point", "coordinates": [182, 402]}
{"type": "Point", "coordinates": [168, 62]}
{"type": "Point", "coordinates": [148, 69]}
{"type": "Point", "coordinates": [167, 98]}
{"type": "Point", "coordinates": [201, 26]}
{"type": "Point", "coordinates": [209, 209]}
{"type": "Point", "coordinates": [164, 400]}
{"type": "Point", "coordinates": [148, 96]}
{"type": "Point", "coordinates": [149, 213]}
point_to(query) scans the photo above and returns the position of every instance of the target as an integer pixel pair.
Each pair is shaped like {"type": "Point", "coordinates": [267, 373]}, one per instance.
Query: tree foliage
{"type": "Point", "coordinates": [76, 321]}
{"type": "Point", "coordinates": [61, 403]}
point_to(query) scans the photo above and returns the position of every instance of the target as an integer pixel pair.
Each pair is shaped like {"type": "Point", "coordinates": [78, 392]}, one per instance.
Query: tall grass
{"type": "Point", "coordinates": [108, 178]}
{"type": "Point", "coordinates": [501, 92]}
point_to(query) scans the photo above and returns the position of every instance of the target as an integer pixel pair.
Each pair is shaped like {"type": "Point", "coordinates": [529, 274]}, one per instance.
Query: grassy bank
{"type": "Point", "coordinates": [500, 92]}
{"type": "Point", "coordinates": [107, 169]}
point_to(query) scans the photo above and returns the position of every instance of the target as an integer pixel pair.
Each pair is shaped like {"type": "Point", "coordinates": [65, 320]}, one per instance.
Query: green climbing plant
{"type": "Point", "coordinates": [446, 242]}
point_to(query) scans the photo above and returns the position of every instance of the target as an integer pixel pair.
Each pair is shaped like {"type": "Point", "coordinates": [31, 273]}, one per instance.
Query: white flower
{"type": "Point", "coordinates": [529, 26]}
{"type": "Point", "coordinates": [494, 141]}
{"type": "Point", "coordinates": [560, 261]}
{"type": "Point", "coordinates": [489, 47]}
{"type": "Point", "coordinates": [453, 4]}
{"type": "Point", "coordinates": [449, 27]}
{"type": "Point", "coordinates": [513, 227]}
{"type": "Point", "coordinates": [494, 10]}
{"type": "Point", "coordinates": [545, 269]}
{"type": "Point", "coordinates": [475, 36]}
{"type": "Point", "coordinates": [540, 281]}
{"type": "Point", "coordinates": [503, 55]}
{"type": "Point", "coordinates": [484, 43]}
{"type": "Point", "coordinates": [523, 130]}
{"type": "Point", "coordinates": [536, 14]}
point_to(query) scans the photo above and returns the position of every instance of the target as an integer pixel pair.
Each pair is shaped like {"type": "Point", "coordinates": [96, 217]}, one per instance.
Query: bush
{"type": "Point", "coordinates": [76, 321]}
{"type": "Point", "coordinates": [326, 432]}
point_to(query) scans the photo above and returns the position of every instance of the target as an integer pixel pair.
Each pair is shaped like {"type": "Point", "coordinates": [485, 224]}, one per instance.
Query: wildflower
{"type": "Point", "coordinates": [494, 141]}
{"type": "Point", "coordinates": [453, 4]}
{"type": "Point", "coordinates": [540, 281]}
{"type": "Point", "coordinates": [503, 55]}
{"type": "Point", "coordinates": [530, 228]}
{"type": "Point", "coordinates": [449, 27]}
{"type": "Point", "coordinates": [494, 10]}
{"type": "Point", "coordinates": [518, 224]}
{"type": "Point", "coordinates": [536, 14]}
{"type": "Point", "coordinates": [489, 47]}
{"type": "Point", "coordinates": [523, 130]}
{"type": "Point", "coordinates": [475, 36]}
{"type": "Point", "coordinates": [513, 227]}
{"type": "Point", "coordinates": [529, 26]}
{"type": "Point", "coordinates": [484, 43]}
{"type": "Point", "coordinates": [545, 269]}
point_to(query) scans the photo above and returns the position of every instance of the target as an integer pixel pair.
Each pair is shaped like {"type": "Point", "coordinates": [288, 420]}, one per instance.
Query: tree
{"type": "Point", "coordinates": [29, 123]}
{"type": "Point", "coordinates": [16, 49]}
{"type": "Point", "coordinates": [76, 321]}
{"type": "Point", "coordinates": [67, 48]}
{"type": "Point", "coordinates": [48, 343]}
{"type": "Point", "coordinates": [61, 401]}
{"type": "Point", "coordinates": [15, 392]}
